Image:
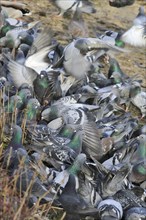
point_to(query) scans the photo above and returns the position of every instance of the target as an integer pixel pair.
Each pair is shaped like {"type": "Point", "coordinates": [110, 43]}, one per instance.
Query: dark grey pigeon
{"type": "Point", "coordinates": [73, 203]}
{"type": "Point", "coordinates": [121, 3]}
{"type": "Point", "coordinates": [11, 156]}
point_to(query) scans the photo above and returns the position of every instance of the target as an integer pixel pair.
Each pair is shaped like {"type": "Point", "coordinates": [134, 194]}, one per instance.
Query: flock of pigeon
{"type": "Point", "coordinates": [74, 142]}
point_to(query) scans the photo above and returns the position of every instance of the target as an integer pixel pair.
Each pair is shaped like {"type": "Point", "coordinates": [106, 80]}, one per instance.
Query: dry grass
{"type": "Point", "coordinates": [14, 204]}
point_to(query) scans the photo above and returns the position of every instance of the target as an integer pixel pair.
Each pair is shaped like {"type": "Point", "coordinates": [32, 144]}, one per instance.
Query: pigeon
{"type": "Point", "coordinates": [76, 140]}
{"type": "Point", "coordinates": [139, 131]}
{"type": "Point", "coordinates": [138, 98]}
{"type": "Point", "coordinates": [72, 113]}
{"type": "Point", "coordinates": [73, 5]}
{"type": "Point", "coordinates": [15, 102]}
{"type": "Point", "coordinates": [32, 108]}
{"type": "Point", "coordinates": [2, 82]}
{"type": "Point", "coordinates": [14, 9]}
{"type": "Point", "coordinates": [47, 86]}
{"type": "Point", "coordinates": [12, 37]}
{"type": "Point", "coordinates": [80, 55]}
{"type": "Point", "coordinates": [20, 74]}
{"type": "Point", "coordinates": [135, 36]}
{"type": "Point", "coordinates": [112, 37]}
{"type": "Point", "coordinates": [20, 57]}
{"type": "Point", "coordinates": [138, 161]}
{"type": "Point", "coordinates": [140, 192]}
{"type": "Point", "coordinates": [115, 68]}
{"type": "Point", "coordinates": [111, 186]}
{"type": "Point", "coordinates": [24, 48]}
{"type": "Point", "coordinates": [138, 172]}
{"type": "Point", "coordinates": [12, 107]}
{"type": "Point", "coordinates": [41, 86]}
{"type": "Point", "coordinates": [60, 148]}
{"type": "Point", "coordinates": [135, 213]}
{"type": "Point", "coordinates": [77, 26]}
{"type": "Point", "coordinates": [58, 133]}
{"type": "Point", "coordinates": [25, 93]}
{"type": "Point", "coordinates": [132, 153]}
{"type": "Point", "coordinates": [38, 52]}
{"type": "Point", "coordinates": [121, 3]}
{"type": "Point", "coordinates": [41, 169]}
{"type": "Point", "coordinates": [93, 144]}
{"type": "Point", "coordinates": [87, 189]}
{"type": "Point", "coordinates": [110, 209]}
{"type": "Point", "coordinates": [62, 178]}
{"type": "Point", "coordinates": [139, 154]}
{"type": "Point", "coordinates": [64, 153]}
{"type": "Point", "coordinates": [14, 22]}
{"type": "Point", "coordinates": [11, 156]}
{"type": "Point", "coordinates": [10, 24]}
{"type": "Point", "coordinates": [128, 199]}
{"type": "Point", "coordinates": [73, 203]}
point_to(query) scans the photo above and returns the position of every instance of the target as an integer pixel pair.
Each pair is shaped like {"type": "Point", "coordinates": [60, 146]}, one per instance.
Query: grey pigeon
{"type": "Point", "coordinates": [80, 55]}
{"type": "Point", "coordinates": [13, 37]}
{"type": "Point", "coordinates": [135, 213]}
{"type": "Point", "coordinates": [110, 209]}
{"type": "Point", "coordinates": [37, 55]}
{"type": "Point", "coordinates": [136, 35]}
{"type": "Point", "coordinates": [69, 197]}
{"type": "Point", "coordinates": [113, 37]}
{"type": "Point", "coordinates": [71, 112]}
{"type": "Point", "coordinates": [77, 26]}
{"type": "Point", "coordinates": [87, 190]}
{"type": "Point", "coordinates": [73, 203]}
{"type": "Point", "coordinates": [20, 74]}
{"type": "Point", "coordinates": [127, 198]}
{"type": "Point", "coordinates": [74, 169]}
{"type": "Point", "coordinates": [115, 184]}
{"type": "Point", "coordinates": [139, 100]}
{"type": "Point", "coordinates": [67, 5]}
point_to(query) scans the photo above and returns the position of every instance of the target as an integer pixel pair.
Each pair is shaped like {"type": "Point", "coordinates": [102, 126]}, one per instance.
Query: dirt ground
{"type": "Point", "coordinates": [106, 18]}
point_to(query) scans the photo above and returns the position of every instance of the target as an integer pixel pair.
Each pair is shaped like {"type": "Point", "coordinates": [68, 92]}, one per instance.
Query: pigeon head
{"type": "Point", "coordinates": [141, 17]}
